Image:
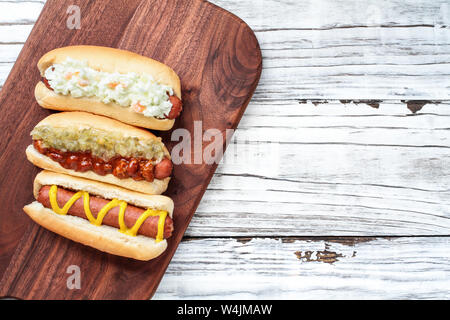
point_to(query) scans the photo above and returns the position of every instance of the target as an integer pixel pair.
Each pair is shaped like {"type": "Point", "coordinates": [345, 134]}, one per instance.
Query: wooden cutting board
{"type": "Point", "coordinates": [218, 60]}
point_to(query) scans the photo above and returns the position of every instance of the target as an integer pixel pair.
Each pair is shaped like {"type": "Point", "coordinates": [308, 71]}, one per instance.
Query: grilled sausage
{"type": "Point", "coordinates": [163, 169]}
{"type": "Point", "coordinates": [177, 106]}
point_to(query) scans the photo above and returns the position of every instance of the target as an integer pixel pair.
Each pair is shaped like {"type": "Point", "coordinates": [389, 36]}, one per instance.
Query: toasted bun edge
{"type": "Point", "coordinates": [48, 99]}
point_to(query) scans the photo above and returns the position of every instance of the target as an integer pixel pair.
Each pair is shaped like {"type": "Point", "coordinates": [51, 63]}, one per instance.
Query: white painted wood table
{"type": "Point", "coordinates": [332, 187]}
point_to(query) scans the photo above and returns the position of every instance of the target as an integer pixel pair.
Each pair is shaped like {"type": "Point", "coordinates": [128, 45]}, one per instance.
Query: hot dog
{"type": "Point", "coordinates": [115, 83]}
{"type": "Point", "coordinates": [106, 217]}
{"type": "Point", "coordinates": [103, 149]}
{"type": "Point", "coordinates": [149, 228]}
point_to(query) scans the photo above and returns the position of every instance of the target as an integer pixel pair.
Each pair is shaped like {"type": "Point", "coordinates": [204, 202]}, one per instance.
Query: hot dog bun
{"type": "Point", "coordinates": [107, 60]}
{"type": "Point", "coordinates": [48, 99]}
{"type": "Point", "coordinates": [82, 120]}
{"type": "Point", "coordinates": [104, 238]}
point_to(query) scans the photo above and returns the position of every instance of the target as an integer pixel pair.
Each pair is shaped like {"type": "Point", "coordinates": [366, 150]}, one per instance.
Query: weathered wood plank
{"type": "Point", "coordinates": [327, 186]}
{"type": "Point", "coordinates": [329, 14]}
{"type": "Point", "coordinates": [14, 34]}
{"type": "Point", "coordinates": [353, 135]}
{"type": "Point", "coordinates": [20, 12]}
{"type": "Point", "coordinates": [286, 268]}
{"type": "Point", "coordinates": [246, 203]}
{"type": "Point", "coordinates": [308, 109]}
{"type": "Point", "coordinates": [351, 50]}
{"type": "Point", "coordinates": [261, 14]}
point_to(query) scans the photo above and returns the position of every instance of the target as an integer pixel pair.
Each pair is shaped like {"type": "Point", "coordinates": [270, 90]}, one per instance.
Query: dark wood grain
{"type": "Point", "coordinates": [218, 60]}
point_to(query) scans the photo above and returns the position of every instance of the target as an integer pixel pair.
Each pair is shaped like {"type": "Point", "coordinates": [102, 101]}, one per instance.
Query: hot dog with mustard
{"type": "Point", "coordinates": [109, 218]}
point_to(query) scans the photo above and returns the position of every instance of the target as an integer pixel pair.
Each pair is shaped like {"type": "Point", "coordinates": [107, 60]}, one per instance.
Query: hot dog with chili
{"type": "Point", "coordinates": [103, 149]}
{"type": "Point", "coordinates": [103, 216]}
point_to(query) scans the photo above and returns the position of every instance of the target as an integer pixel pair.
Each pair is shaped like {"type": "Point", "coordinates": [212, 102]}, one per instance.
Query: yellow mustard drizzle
{"type": "Point", "coordinates": [102, 213]}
